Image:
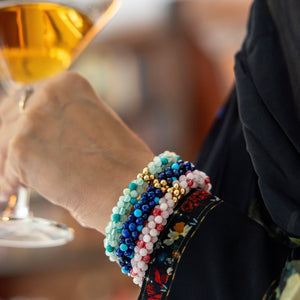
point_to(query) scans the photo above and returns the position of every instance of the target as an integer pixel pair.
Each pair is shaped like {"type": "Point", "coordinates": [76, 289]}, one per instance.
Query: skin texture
{"type": "Point", "coordinates": [70, 147]}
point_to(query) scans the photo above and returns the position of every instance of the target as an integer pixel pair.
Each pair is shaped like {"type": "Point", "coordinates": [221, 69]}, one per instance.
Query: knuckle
{"type": "Point", "coordinates": [77, 81]}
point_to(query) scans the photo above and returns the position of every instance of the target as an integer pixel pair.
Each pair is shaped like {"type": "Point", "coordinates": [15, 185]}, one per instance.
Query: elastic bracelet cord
{"type": "Point", "coordinates": [130, 198]}
{"type": "Point", "coordinates": [158, 219]}
{"type": "Point", "coordinates": [143, 208]}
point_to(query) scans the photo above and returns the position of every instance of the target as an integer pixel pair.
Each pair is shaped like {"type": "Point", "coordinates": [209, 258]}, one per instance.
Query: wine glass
{"type": "Point", "coordinates": [39, 39]}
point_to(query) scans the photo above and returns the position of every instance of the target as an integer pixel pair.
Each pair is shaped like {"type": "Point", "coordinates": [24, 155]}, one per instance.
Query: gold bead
{"type": "Point", "coordinates": [176, 193]}
{"type": "Point", "coordinates": [155, 181]}
{"type": "Point", "coordinates": [175, 199]}
{"type": "Point", "coordinates": [182, 191]}
{"type": "Point", "coordinates": [163, 182]}
{"type": "Point", "coordinates": [170, 190]}
{"type": "Point", "coordinates": [163, 189]}
{"type": "Point", "coordinates": [157, 185]}
{"type": "Point", "coordinates": [152, 177]}
{"type": "Point", "coordinates": [146, 178]}
{"type": "Point", "coordinates": [140, 175]}
{"type": "Point", "coordinates": [145, 171]}
{"type": "Point", "coordinates": [176, 186]}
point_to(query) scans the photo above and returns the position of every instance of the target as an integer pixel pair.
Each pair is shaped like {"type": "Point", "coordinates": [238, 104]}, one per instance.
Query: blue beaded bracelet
{"type": "Point", "coordinates": [141, 211]}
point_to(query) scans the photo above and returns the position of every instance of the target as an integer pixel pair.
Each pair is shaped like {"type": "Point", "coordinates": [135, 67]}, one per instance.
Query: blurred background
{"type": "Point", "coordinates": [166, 67]}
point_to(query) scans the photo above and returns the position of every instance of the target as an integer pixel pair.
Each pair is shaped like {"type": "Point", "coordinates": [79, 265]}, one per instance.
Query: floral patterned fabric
{"type": "Point", "coordinates": [173, 241]}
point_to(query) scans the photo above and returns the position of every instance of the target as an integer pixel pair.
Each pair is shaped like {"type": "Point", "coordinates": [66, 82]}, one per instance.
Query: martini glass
{"type": "Point", "coordinates": [39, 39]}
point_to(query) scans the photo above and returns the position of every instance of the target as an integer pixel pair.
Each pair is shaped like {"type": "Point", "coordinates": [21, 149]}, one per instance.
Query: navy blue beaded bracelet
{"type": "Point", "coordinates": [134, 225]}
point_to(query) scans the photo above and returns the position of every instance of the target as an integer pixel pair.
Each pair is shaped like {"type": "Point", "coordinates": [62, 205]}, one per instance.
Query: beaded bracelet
{"type": "Point", "coordinates": [143, 208]}
{"type": "Point", "coordinates": [129, 198]}
{"type": "Point", "coordinates": [156, 222]}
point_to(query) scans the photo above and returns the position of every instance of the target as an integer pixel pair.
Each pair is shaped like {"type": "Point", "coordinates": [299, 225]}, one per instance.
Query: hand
{"type": "Point", "coordinates": [70, 147]}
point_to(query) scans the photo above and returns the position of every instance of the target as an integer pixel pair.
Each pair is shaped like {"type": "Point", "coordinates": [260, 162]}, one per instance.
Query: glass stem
{"type": "Point", "coordinates": [18, 206]}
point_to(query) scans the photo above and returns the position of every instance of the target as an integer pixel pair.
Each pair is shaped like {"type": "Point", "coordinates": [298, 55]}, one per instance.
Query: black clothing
{"type": "Point", "coordinates": [252, 157]}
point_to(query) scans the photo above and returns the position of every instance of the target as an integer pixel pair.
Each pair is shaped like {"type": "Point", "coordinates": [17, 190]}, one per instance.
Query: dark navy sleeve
{"type": "Point", "coordinates": [269, 118]}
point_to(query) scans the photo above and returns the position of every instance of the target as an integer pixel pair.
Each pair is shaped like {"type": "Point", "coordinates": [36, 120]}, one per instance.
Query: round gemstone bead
{"type": "Point", "coordinates": [163, 206]}
{"type": "Point", "coordinates": [141, 264]}
{"type": "Point", "coordinates": [159, 227]}
{"type": "Point", "coordinates": [152, 203]}
{"type": "Point", "coordinates": [175, 166]}
{"type": "Point", "coordinates": [125, 233]}
{"type": "Point", "coordinates": [151, 225]}
{"type": "Point", "coordinates": [153, 232]}
{"type": "Point", "coordinates": [139, 221]}
{"type": "Point", "coordinates": [164, 160]}
{"type": "Point", "coordinates": [158, 193]}
{"type": "Point", "coordinates": [131, 218]}
{"type": "Point", "coordinates": [132, 186]}
{"type": "Point", "coordinates": [147, 238]}
{"type": "Point", "coordinates": [141, 244]}
{"type": "Point", "coordinates": [128, 253]}
{"type": "Point", "coordinates": [146, 258]}
{"type": "Point", "coordinates": [133, 201]}
{"type": "Point", "coordinates": [145, 208]}
{"type": "Point", "coordinates": [145, 230]}
{"type": "Point", "coordinates": [139, 228]}
{"type": "Point", "coordinates": [129, 241]}
{"type": "Point", "coordinates": [162, 176]}
{"type": "Point", "coordinates": [122, 211]}
{"type": "Point", "coordinates": [109, 248]}
{"type": "Point", "coordinates": [138, 213]}
{"type": "Point", "coordinates": [119, 252]}
{"type": "Point", "coordinates": [143, 252]}
{"type": "Point", "coordinates": [156, 212]}
{"type": "Point", "coordinates": [151, 195]}
{"type": "Point", "coordinates": [189, 182]}
{"type": "Point", "coordinates": [150, 189]}
{"type": "Point", "coordinates": [125, 270]}
{"type": "Point", "coordinates": [127, 198]}
{"type": "Point", "coordinates": [165, 214]}
{"type": "Point", "coordinates": [158, 219]}
{"type": "Point", "coordinates": [138, 205]}
{"type": "Point", "coordinates": [134, 194]}
{"type": "Point", "coordinates": [116, 217]}
{"type": "Point", "coordinates": [135, 234]}
{"type": "Point", "coordinates": [124, 247]}
{"type": "Point", "coordinates": [132, 227]}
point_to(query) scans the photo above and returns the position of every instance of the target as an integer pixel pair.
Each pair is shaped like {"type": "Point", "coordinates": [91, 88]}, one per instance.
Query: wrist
{"type": "Point", "coordinates": [94, 208]}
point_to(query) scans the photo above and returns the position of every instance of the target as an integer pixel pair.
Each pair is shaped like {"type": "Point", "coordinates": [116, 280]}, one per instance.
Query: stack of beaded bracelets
{"type": "Point", "coordinates": [129, 198]}
{"type": "Point", "coordinates": [143, 210]}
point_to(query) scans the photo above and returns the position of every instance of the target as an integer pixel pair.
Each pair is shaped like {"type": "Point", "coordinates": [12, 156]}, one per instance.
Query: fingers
{"type": "Point", "coordinates": [8, 110]}
{"type": "Point", "coordinates": [12, 174]}
{"type": "Point", "coordinates": [25, 137]}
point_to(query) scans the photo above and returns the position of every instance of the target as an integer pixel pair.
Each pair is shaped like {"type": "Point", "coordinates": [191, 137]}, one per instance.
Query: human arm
{"type": "Point", "coordinates": [71, 148]}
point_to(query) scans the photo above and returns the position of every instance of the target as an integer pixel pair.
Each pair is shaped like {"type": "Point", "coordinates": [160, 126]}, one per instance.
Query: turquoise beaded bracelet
{"type": "Point", "coordinates": [130, 197]}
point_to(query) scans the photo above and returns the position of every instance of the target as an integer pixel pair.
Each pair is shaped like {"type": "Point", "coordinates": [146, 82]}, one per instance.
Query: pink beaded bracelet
{"type": "Point", "coordinates": [158, 219]}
